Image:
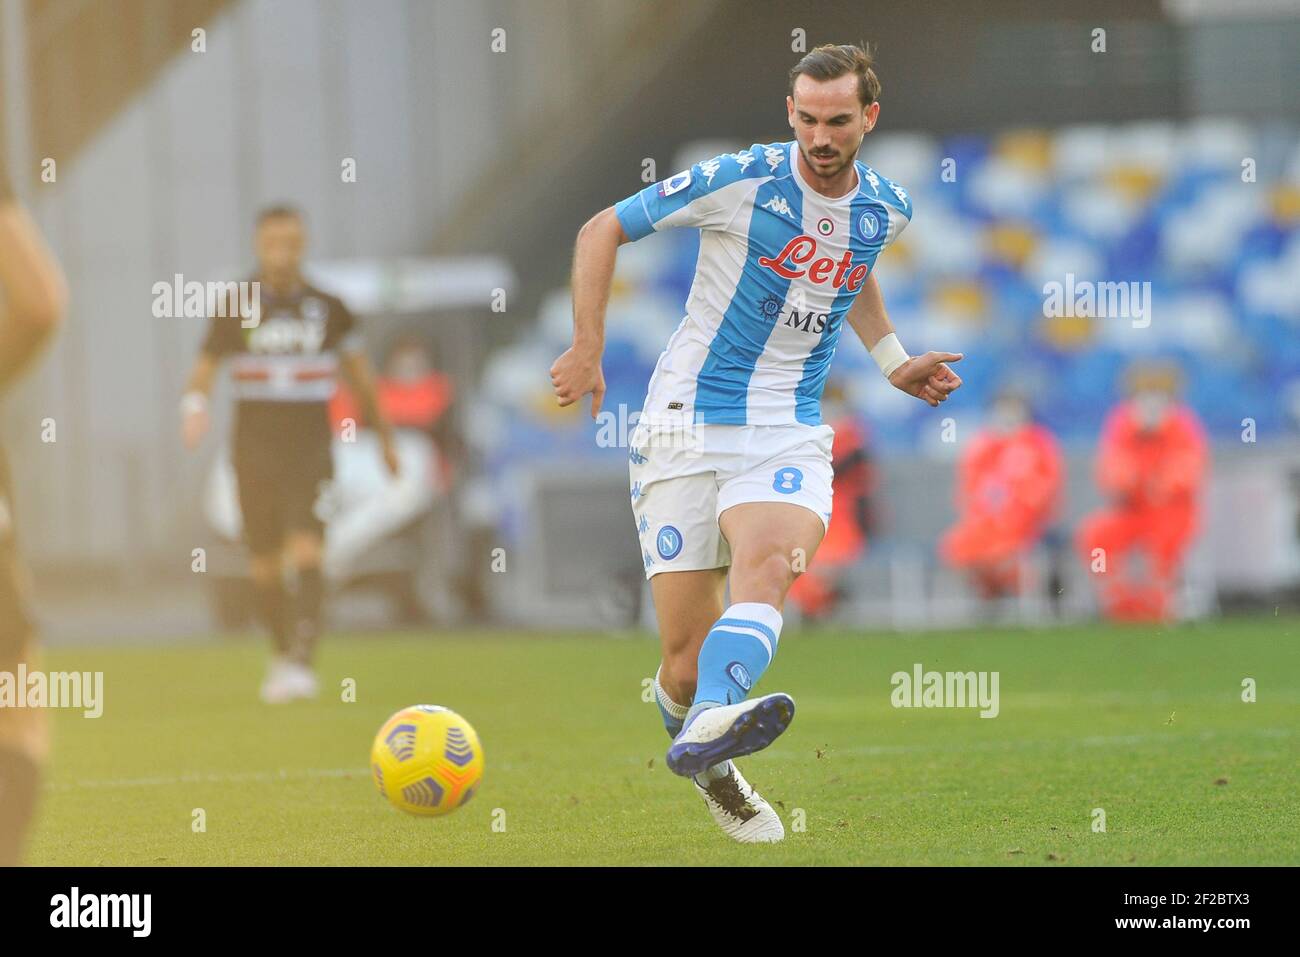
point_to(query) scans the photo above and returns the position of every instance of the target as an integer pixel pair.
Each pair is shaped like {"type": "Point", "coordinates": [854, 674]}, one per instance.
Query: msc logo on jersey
{"type": "Point", "coordinates": [868, 225]}
{"type": "Point", "coordinates": [770, 307]}
{"type": "Point", "coordinates": [669, 543]}
{"type": "Point", "coordinates": [675, 184]}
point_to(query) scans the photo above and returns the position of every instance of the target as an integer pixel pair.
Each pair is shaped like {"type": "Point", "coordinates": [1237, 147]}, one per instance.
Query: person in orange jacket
{"type": "Point", "coordinates": [1151, 465]}
{"type": "Point", "coordinates": [412, 394]}
{"type": "Point", "coordinates": [1008, 488]}
{"type": "Point", "coordinates": [819, 589]}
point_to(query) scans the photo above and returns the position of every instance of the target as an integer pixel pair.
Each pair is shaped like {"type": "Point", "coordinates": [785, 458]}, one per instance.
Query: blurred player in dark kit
{"type": "Point", "coordinates": [32, 304]}
{"type": "Point", "coordinates": [284, 362]}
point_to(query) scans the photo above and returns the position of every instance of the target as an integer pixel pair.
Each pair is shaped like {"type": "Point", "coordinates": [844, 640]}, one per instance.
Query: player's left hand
{"type": "Point", "coordinates": [928, 377]}
{"type": "Point", "coordinates": [390, 458]}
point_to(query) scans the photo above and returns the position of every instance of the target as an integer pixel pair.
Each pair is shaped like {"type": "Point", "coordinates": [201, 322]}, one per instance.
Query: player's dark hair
{"type": "Point", "coordinates": [830, 61]}
{"type": "Point", "coordinates": [278, 211]}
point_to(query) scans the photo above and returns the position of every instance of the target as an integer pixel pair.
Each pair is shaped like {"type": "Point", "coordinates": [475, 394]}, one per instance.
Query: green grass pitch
{"type": "Point", "coordinates": [1146, 723]}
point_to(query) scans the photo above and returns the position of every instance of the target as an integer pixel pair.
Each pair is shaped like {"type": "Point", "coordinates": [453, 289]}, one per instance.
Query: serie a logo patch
{"type": "Point", "coordinates": [675, 184]}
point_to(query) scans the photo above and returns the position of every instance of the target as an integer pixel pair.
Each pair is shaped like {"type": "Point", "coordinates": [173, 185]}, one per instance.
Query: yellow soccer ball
{"type": "Point", "coordinates": [426, 760]}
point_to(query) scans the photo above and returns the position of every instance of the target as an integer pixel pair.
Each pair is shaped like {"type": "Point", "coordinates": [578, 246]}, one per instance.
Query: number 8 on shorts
{"type": "Point", "coordinates": [788, 480]}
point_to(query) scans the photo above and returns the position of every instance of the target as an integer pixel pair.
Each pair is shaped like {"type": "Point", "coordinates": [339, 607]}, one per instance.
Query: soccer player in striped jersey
{"type": "Point", "coordinates": [32, 304]}
{"type": "Point", "coordinates": [284, 364]}
{"type": "Point", "coordinates": [730, 461]}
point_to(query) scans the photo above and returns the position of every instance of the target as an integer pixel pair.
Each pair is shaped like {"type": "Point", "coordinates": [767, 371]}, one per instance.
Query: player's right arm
{"type": "Point", "coordinates": [33, 297]}
{"type": "Point", "coordinates": [222, 337]}
{"type": "Point", "coordinates": [194, 404]}
{"type": "Point", "coordinates": [577, 372]}
{"type": "Point", "coordinates": [706, 196]}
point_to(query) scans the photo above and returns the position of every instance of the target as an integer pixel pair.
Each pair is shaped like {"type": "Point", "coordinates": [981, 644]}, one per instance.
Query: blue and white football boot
{"type": "Point", "coordinates": [729, 731]}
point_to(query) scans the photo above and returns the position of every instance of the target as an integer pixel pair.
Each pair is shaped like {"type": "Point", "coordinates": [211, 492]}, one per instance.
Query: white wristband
{"type": "Point", "coordinates": [193, 402]}
{"type": "Point", "coordinates": [889, 354]}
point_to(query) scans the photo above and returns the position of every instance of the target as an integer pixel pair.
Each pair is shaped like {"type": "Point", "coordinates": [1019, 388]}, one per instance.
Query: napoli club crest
{"type": "Point", "coordinates": [868, 225]}
{"type": "Point", "coordinates": [669, 543]}
{"type": "Point", "coordinates": [740, 675]}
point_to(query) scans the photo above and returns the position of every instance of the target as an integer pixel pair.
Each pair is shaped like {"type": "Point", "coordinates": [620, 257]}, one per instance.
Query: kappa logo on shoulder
{"type": "Point", "coordinates": [775, 156]}
{"type": "Point", "coordinates": [743, 159]}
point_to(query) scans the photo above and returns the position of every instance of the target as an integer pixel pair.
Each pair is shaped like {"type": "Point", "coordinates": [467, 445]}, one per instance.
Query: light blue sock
{"type": "Point", "coordinates": [674, 714]}
{"type": "Point", "coordinates": [735, 653]}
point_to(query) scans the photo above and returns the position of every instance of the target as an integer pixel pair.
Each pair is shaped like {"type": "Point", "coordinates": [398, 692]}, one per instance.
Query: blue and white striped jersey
{"type": "Point", "coordinates": [779, 266]}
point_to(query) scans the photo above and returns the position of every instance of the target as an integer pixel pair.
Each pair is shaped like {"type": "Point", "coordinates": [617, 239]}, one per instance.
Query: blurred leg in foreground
{"type": "Point", "coordinates": [32, 303]}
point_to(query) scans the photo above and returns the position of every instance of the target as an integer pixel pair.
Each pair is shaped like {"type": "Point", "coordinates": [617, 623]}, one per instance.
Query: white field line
{"type": "Point", "coordinates": [1092, 741]}
{"type": "Point", "coordinates": [235, 777]}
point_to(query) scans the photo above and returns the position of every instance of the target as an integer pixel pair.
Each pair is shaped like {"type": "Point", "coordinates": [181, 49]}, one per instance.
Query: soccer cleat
{"type": "Point", "coordinates": [287, 681]}
{"type": "Point", "coordinates": [729, 731]}
{"type": "Point", "coordinates": [278, 688]}
{"type": "Point", "coordinates": [740, 811]}
{"type": "Point", "coordinates": [302, 681]}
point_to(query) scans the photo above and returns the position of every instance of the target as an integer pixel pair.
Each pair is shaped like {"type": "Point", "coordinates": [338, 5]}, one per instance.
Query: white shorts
{"type": "Point", "coordinates": [683, 479]}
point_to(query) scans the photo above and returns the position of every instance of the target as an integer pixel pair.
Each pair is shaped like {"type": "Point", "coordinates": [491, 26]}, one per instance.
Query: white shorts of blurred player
{"type": "Point", "coordinates": [683, 478]}
{"type": "Point", "coordinates": [361, 507]}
